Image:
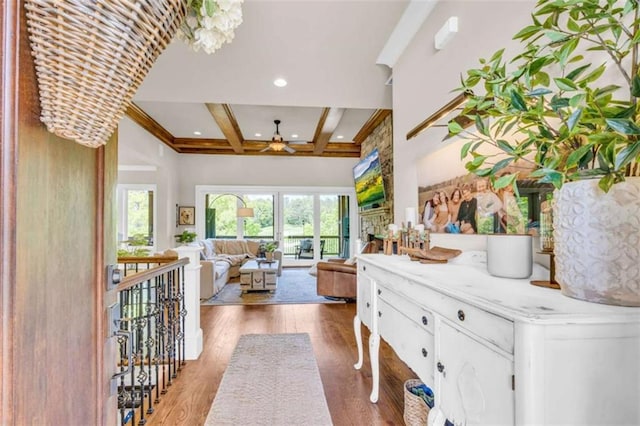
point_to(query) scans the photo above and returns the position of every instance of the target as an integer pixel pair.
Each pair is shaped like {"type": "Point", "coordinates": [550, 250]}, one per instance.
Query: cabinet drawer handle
{"type": "Point", "coordinates": [461, 315]}
{"type": "Point", "coordinates": [379, 313]}
{"type": "Point", "coordinates": [424, 320]}
{"type": "Point", "coordinates": [424, 352]}
{"type": "Point", "coordinates": [440, 367]}
{"type": "Point", "coordinates": [379, 292]}
{"type": "Point", "coordinates": [367, 304]}
{"type": "Point", "coordinates": [364, 267]}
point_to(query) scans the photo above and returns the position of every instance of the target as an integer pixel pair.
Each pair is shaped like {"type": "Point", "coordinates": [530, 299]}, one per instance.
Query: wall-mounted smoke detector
{"type": "Point", "coordinates": [446, 33]}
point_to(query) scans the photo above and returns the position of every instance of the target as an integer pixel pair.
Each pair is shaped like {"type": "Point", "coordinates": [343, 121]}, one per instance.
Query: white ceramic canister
{"type": "Point", "coordinates": [509, 255]}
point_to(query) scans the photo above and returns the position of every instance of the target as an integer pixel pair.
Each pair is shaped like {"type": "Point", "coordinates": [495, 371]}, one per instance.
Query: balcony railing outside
{"type": "Point", "coordinates": [332, 244]}
{"type": "Point", "coordinates": [150, 333]}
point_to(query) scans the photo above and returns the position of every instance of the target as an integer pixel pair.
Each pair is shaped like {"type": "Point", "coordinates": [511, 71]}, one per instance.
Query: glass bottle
{"type": "Point", "coordinates": [546, 224]}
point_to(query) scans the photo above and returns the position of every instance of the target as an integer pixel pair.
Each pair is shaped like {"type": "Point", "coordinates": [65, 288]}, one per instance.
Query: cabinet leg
{"type": "Point", "coordinates": [374, 345]}
{"type": "Point", "coordinates": [358, 332]}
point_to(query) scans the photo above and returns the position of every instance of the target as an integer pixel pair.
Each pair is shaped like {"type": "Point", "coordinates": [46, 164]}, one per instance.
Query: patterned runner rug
{"type": "Point", "coordinates": [294, 286]}
{"type": "Point", "coordinates": [272, 379]}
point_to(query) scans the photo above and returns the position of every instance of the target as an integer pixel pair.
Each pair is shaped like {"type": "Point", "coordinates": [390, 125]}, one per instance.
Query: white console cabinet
{"type": "Point", "coordinates": [500, 351]}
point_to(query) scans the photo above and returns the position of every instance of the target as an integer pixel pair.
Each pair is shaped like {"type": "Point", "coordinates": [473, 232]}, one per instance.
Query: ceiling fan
{"type": "Point", "coordinates": [279, 144]}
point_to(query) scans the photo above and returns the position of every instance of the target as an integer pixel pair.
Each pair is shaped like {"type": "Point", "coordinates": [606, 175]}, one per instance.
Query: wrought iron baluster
{"type": "Point", "coordinates": [170, 331]}
{"type": "Point", "coordinates": [149, 341]}
{"type": "Point", "coordinates": [157, 333]}
{"type": "Point", "coordinates": [164, 332]}
{"type": "Point", "coordinates": [182, 315]}
{"type": "Point", "coordinates": [153, 313]}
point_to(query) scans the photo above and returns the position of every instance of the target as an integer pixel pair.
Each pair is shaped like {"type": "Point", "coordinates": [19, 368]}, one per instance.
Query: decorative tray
{"type": "Point", "coordinates": [432, 255]}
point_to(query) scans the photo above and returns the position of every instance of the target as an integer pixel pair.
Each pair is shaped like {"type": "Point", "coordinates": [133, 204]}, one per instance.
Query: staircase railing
{"type": "Point", "coordinates": [150, 333]}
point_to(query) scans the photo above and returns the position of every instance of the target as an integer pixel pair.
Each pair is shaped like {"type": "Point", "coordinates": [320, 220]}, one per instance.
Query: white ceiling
{"type": "Point", "coordinates": [325, 49]}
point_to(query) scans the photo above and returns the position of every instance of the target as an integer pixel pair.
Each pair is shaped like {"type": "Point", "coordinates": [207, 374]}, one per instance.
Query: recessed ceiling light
{"type": "Point", "coordinates": [294, 135]}
{"type": "Point", "coordinates": [280, 82]}
{"type": "Point", "coordinates": [197, 133]}
{"type": "Point", "coordinates": [257, 135]}
{"type": "Point", "coordinates": [340, 137]}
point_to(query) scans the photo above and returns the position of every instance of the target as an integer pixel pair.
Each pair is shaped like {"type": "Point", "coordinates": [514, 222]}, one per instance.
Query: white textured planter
{"type": "Point", "coordinates": [597, 242]}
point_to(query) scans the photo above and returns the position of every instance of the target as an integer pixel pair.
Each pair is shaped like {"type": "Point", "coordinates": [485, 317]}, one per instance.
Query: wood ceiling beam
{"type": "Point", "coordinates": [145, 121]}
{"type": "Point", "coordinates": [202, 143]}
{"type": "Point", "coordinates": [223, 115]}
{"type": "Point", "coordinates": [345, 154]}
{"type": "Point", "coordinates": [374, 121]}
{"type": "Point", "coordinates": [327, 124]}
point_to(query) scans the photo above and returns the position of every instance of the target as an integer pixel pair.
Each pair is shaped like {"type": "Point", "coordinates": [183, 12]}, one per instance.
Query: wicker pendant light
{"type": "Point", "coordinates": [91, 57]}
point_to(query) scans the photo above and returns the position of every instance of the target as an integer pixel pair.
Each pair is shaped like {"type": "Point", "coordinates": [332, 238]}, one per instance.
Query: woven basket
{"type": "Point", "coordinates": [415, 409]}
{"type": "Point", "coordinates": [91, 56]}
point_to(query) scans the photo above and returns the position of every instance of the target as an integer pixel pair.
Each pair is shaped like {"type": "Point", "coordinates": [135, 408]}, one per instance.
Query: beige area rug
{"type": "Point", "coordinates": [295, 286]}
{"type": "Point", "coordinates": [272, 379]}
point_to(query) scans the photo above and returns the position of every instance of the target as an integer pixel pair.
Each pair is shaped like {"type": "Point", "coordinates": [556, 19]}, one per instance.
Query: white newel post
{"type": "Point", "coordinates": [192, 332]}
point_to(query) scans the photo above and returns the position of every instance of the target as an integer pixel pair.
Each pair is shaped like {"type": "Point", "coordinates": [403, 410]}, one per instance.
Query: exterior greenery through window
{"type": "Point", "coordinates": [135, 219]}
{"type": "Point", "coordinates": [222, 222]}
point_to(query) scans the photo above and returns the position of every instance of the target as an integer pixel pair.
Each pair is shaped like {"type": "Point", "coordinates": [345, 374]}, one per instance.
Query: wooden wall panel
{"type": "Point", "coordinates": [8, 71]}
{"type": "Point", "coordinates": [109, 243]}
{"type": "Point", "coordinates": [55, 375]}
{"type": "Point", "coordinates": [57, 298]}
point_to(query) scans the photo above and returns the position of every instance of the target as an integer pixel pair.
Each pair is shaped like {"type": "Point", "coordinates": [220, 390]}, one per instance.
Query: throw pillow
{"type": "Point", "coordinates": [209, 249]}
{"type": "Point", "coordinates": [350, 261]}
{"type": "Point", "coordinates": [314, 270]}
{"type": "Point", "coordinates": [306, 245]}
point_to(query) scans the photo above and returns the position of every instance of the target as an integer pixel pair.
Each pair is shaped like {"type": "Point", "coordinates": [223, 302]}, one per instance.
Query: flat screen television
{"type": "Point", "coordinates": [367, 175]}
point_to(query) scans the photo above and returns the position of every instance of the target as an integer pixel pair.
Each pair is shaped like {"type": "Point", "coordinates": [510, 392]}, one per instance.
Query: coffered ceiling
{"type": "Point", "coordinates": [226, 103]}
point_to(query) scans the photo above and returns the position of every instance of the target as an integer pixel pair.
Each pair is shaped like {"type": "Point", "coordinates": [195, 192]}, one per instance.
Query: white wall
{"type": "Point", "coordinates": [423, 80]}
{"type": "Point", "coordinates": [138, 149]}
{"type": "Point", "coordinates": [261, 170]}
{"type": "Point", "coordinates": [177, 175]}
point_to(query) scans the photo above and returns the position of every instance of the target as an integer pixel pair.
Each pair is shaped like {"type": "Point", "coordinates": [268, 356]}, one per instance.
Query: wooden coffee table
{"type": "Point", "coordinates": [259, 275]}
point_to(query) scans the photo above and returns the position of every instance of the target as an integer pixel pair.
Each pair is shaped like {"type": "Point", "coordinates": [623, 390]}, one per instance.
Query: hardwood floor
{"type": "Point", "coordinates": [331, 329]}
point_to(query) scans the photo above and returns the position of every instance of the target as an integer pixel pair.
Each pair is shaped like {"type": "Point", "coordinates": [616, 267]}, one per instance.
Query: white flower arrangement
{"type": "Point", "coordinates": [210, 23]}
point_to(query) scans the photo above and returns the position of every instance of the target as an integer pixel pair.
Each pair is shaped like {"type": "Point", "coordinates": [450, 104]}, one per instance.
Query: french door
{"type": "Point", "coordinates": [298, 226]}
{"type": "Point", "coordinates": [315, 226]}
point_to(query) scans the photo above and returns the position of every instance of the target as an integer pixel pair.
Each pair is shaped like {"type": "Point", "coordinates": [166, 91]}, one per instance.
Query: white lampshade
{"type": "Point", "coordinates": [245, 212]}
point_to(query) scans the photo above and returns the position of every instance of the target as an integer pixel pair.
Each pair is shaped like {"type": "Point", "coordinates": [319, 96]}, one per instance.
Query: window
{"type": "Point", "coordinates": [285, 214]}
{"type": "Point", "coordinates": [136, 214]}
{"type": "Point", "coordinates": [221, 219]}
{"type": "Point", "coordinates": [260, 226]}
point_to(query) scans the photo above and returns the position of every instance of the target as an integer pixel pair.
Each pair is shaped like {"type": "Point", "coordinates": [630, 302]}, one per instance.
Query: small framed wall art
{"type": "Point", "coordinates": [186, 215]}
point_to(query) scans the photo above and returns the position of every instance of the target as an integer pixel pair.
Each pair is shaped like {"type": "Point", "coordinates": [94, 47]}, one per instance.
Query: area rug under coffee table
{"type": "Point", "coordinates": [271, 379]}
{"type": "Point", "coordinates": [294, 286]}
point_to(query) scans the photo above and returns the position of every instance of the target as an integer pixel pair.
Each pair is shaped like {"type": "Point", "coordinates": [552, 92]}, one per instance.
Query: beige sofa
{"type": "Point", "coordinates": [221, 260]}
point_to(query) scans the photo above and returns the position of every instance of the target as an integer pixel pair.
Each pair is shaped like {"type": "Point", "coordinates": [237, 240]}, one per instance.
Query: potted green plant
{"type": "Point", "coordinates": [186, 237]}
{"type": "Point", "coordinates": [566, 106]}
{"type": "Point", "coordinates": [136, 246]}
{"type": "Point", "coordinates": [269, 248]}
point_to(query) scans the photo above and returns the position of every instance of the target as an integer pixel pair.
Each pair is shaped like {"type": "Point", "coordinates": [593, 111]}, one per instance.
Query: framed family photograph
{"type": "Point", "coordinates": [186, 215]}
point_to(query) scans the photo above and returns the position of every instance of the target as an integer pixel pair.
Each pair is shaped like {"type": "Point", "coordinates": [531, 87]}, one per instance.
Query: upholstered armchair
{"type": "Point", "coordinates": [338, 279]}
